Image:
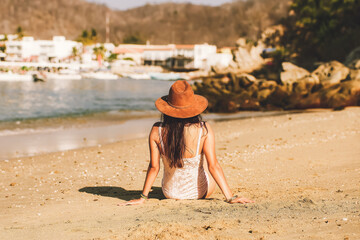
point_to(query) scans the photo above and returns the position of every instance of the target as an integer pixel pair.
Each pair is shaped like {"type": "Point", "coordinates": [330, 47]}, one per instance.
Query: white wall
{"type": "Point", "coordinates": [218, 59]}
{"type": "Point", "coordinates": [201, 54]}
{"type": "Point", "coordinates": [58, 48]}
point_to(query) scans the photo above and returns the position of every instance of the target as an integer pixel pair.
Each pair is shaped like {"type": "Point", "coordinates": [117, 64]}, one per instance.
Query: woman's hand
{"type": "Point", "coordinates": [133, 202]}
{"type": "Point", "coordinates": [241, 200]}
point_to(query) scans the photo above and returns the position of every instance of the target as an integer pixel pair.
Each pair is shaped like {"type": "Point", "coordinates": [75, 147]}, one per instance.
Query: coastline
{"type": "Point", "coordinates": [301, 169]}
{"type": "Point", "coordinates": [33, 137]}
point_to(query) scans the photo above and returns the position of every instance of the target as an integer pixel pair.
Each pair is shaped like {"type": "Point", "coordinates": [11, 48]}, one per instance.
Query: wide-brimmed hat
{"type": "Point", "coordinates": [181, 101]}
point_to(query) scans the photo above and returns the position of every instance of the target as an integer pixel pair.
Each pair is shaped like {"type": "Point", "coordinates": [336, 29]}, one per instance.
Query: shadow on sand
{"type": "Point", "coordinates": [121, 193]}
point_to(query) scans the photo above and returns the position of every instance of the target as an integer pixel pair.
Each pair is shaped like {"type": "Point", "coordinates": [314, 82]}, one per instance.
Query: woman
{"type": "Point", "coordinates": [182, 140]}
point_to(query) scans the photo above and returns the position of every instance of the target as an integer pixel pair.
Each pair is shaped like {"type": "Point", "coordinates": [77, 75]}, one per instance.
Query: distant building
{"type": "Point", "coordinates": [89, 56]}
{"type": "Point", "coordinates": [222, 59]}
{"type": "Point", "coordinates": [130, 52]}
{"type": "Point", "coordinates": [28, 49]}
{"type": "Point", "coordinates": [170, 56]}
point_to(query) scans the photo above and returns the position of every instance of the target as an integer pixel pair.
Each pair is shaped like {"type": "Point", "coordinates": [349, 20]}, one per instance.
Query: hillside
{"type": "Point", "coordinates": [160, 23]}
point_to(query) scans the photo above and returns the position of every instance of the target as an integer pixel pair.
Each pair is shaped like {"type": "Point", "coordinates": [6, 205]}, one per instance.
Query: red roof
{"type": "Point", "coordinates": [123, 50]}
{"type": "Point", "coordinates": [184, 46]}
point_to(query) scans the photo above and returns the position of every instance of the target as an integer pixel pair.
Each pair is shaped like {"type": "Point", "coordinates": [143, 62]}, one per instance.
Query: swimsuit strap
{"type": "Point", "coordinates": [198, 145]}
{"type": "Point", "coordinates": [161, 140]}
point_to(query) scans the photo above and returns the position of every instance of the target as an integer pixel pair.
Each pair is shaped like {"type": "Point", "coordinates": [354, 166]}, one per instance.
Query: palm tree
{"type": "Point", "coordinates": [100, 53]}
{"type": "Point", "coordinates": [19, 32]}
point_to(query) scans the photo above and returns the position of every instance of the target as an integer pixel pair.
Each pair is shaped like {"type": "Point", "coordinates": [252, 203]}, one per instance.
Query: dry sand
{"type": "Point", "coordinates": [303, 171]}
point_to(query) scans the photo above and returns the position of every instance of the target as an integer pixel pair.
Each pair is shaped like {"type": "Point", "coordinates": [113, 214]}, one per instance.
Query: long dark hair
{"type": "Point", "coordinates": [173, 138]}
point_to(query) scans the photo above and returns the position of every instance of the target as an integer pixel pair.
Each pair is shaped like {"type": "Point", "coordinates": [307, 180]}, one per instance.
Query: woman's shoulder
{"type": "Point", "coordinates": [154, 133]}
{"type": "Point", "coordinates": [157, 124]}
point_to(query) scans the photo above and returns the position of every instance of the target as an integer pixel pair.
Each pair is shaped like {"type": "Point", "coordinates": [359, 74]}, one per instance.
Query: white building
{"type": "Point", "coordinates": [158, 54]}
{"type": "Point", "coordinates": [201, 55]}
{"type": "Point", "coordinates": [28, 49]}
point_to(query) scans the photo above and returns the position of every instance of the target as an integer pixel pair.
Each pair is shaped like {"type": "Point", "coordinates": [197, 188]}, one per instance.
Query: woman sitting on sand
{"type": "Point", "coordinates": [182, 139]}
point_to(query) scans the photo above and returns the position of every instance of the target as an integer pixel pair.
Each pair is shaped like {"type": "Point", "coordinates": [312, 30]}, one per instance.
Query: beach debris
{"type": "Point", "coordinates": [207, 227]}
{"type": "Point", "coordinates": [12, 184]}
{"type": "Point", "coordinates": [307, 200]}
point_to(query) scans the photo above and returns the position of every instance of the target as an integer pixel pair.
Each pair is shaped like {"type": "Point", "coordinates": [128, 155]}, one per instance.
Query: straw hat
{"type": "Point", "coordinates": [181, 101]}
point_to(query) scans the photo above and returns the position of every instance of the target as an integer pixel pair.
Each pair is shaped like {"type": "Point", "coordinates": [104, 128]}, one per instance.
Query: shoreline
{"type": "Point", "coordinates": [302, 170]}
{"type": "Point", "coordinates": [41, 136]}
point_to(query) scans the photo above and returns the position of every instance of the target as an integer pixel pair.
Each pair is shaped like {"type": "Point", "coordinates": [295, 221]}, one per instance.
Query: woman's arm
{"type": "Point", "coordinates": [215, 168]}
{"type": "Point", "coordinates": [153, 169]}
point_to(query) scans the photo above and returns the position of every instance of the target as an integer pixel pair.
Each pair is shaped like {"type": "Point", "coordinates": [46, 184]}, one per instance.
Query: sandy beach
{"type": "Point", "coordinates": [303, 171]}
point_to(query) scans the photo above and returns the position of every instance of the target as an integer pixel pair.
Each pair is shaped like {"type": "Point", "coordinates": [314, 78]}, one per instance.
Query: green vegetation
{"type": "Point", "coordinates": [99, 51]}
{"type": "Point", "coordinates": [86, 38]}
{"type": "Point", "coordinates": [19, 32]}
{"type": "Point", "coordinates": [133, 39]}
{"type": "Point", "coordinates": [112, 57]}
{"type": "Point", "coordinates": [322, 30]}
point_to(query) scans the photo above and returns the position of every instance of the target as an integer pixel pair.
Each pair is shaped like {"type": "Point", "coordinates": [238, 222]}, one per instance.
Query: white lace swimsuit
{"type": "Point", "coordinates": [190, 181]}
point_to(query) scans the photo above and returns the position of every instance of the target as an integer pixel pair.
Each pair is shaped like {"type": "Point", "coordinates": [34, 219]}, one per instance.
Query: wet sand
{"type": "Point", "coordinates": [303, 171]}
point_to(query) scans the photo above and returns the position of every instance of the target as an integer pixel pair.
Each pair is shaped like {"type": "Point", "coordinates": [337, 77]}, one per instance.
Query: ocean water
{"type": "Point", "coordinates": [38, 118]}
{"type": "Point", "coordinates": [28, 100]}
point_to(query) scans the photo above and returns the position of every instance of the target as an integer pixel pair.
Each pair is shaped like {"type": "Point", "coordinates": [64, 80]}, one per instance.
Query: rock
{"type": "Point", "coordinates": [292, 73]}
{"type": "Point", "coordinates": [355, 74]}
{"type": "Point", "coordinates": [263, 94]}
{"type": "Point", "coordinates": [267, 85]}
{"type": "Point", "coordinates": [341, 95]}
{"type": "Point", "coordinates": [332, 72]}
{"type": "Point", "coordinates": [247, 58]}
{"type": "Point", "coordinates": [246, 76]}
{"type": "Point", "coordinates": [225, 80]}
{"type": "Point", "coordinates": [310, 79]}
{"type": "Point", "coordinates": [226, 105]}
{"type": "Point", "coordinates": [279, 97]}
{"type": "Point", "coordinates": [245, 80]}
{"type": "Point", "coordinates": [353, 59]}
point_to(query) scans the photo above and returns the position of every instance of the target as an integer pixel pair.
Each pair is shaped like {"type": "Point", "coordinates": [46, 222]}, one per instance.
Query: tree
{"type": "Point", "coordinates": [100, 53]}
{"type": "Point", "coordinates": [85, 34]}
{"type": "Point", "coordinates": [19, 32]}
{"type": "Point", "coordinates": [75, 52]}
{"type": "Point", "coordinates": [3, 48]}
{"type": "Point", "coordinates": [112, 57]}
{"type": "Point", "coordinates": [322, 30]}
{"type": "Point", "coordinates": [85, 38]}
{"type": "Point", "coordinates": [133, 39]}
{"type": "Point", "coordinates": [93, 35]}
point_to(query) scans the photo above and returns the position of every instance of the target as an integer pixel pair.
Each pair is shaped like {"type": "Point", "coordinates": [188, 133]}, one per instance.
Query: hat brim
{"type": "Point", "coordinates": [199, 105]}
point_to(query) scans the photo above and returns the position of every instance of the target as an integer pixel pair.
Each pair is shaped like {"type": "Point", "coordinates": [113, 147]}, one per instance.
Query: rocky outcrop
{"type": "Point", "coordinates": [355, 74]}
{"type": "Point", "coordinates": [332, 72]}
{"type": "Point", "coordinates": [293, 73]}
{"type": "Point", "coordinates": [235, 92]}
{"type": "Point", "coordinates": [247, 58]}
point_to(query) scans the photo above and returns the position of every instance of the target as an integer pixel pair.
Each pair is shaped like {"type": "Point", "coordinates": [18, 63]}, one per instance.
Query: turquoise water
{"type": "Point", "coordinates": [29, 100]}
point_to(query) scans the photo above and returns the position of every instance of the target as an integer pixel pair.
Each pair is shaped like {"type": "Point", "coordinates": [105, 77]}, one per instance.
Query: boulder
{"type": "Point", "coordinates": [292, 73]}
{"type": "Point", "coordinates": [332, 72]}
{"type": "Point", "coordinates": [248, 57]}
{"type": "Point", "coordinates": [279, 97]}
{"type": "Point", "coordinates": [340, 95]}
{"type": "Point", "coordinates": [267, 85]}
{"type": "Point", "coordinates": [263, 94]}
{"type": "Point", "coordinates": [355, 74]}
